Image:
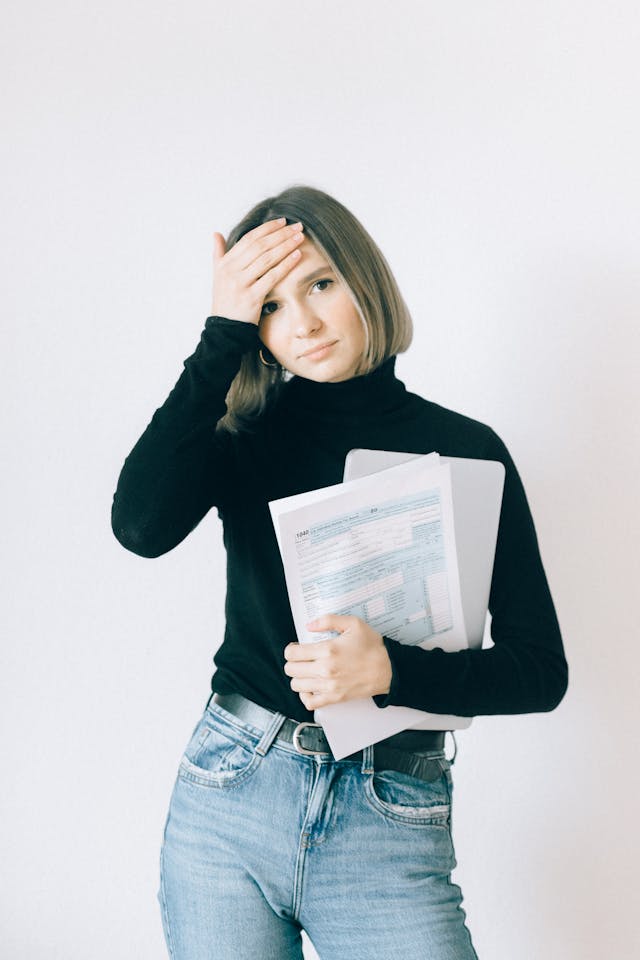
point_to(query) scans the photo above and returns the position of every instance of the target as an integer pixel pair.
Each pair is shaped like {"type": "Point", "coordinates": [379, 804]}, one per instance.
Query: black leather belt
{"type": "Point", "coordinates": [399, 752]}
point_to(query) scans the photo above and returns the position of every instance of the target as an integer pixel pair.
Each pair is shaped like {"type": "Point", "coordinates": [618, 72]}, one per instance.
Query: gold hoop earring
{"type": "Point", "coordinates": [265, 362]}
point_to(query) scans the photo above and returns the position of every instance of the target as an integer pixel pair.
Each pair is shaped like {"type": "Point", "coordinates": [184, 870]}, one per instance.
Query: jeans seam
{"type": "Point", "coordinates": [163, 904]}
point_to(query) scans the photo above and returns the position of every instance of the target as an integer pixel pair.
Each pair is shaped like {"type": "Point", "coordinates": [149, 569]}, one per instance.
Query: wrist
{"type": "Point", "coordinates": [385, 673]}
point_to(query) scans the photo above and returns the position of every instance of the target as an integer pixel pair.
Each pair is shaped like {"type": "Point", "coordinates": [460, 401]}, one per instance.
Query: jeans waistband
{"type": "Point", "coordinates": [399, 752]}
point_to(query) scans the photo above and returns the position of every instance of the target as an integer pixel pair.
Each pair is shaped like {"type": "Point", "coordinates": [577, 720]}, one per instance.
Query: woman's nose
{"type": "Point", "coordinates": [305, 322]}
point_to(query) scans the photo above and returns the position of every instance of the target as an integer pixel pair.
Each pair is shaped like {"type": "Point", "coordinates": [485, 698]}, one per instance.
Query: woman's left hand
{"type": "Point", "coordinates": [352, 666]}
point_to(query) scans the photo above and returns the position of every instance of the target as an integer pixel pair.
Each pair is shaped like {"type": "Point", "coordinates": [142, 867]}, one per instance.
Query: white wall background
{"type": "Point", "coordinates": [492, 150]}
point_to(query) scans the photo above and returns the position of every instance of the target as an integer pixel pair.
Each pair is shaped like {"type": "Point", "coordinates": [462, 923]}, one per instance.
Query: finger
{"type": "Point", "coordinates": [261, 255]}
{"type": "Point", "coordinates": [255, 244]}
{"type": "Point", "coordinates": [262, 230]}
{"type": "Point", "coordinates": [310, 670]}
{"type": "Point", "coordinates": [271, 263]}
{"type": "Point", "coordinates": [305, 651]}
{"type": "Point", "coordinates": [307, 685]}
{"type": "Point", "coordinates": [219, 247]}
{"type": "Point", "coordinates": [269, 269]}
{"type": "Point", "coordinates": [330, 621]}
{"type": "Point", "coordinates": [238, 254]}
{"type": "Point", "coordinates": [308, 700]}
{"type": "Point", "coordinates": [315, 700]}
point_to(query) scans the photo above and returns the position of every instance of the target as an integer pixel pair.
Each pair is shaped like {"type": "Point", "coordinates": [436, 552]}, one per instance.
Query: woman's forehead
{"type": "Point", "coordinates": [310, 263]}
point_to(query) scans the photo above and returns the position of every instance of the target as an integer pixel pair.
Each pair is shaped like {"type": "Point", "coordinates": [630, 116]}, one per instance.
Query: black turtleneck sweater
{"type": "Point", "coordinates": [181, 467]}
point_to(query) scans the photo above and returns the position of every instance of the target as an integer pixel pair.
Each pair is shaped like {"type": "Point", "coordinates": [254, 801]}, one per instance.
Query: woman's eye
{"type": "Point", "coordinates": [272, 303]}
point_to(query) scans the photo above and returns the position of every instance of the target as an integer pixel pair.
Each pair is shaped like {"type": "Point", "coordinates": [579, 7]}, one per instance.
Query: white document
{"type": "Point", "coordinates": [477, 487]}
{"type": "Point", "coordinates": [382, 548]}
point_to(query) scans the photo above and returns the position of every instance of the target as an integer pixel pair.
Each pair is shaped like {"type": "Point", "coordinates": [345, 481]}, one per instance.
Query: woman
{"type": "Point", "coordinates": [267, 834]}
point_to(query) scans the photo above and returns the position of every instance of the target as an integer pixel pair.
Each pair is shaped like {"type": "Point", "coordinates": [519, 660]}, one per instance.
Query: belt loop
{"type": "Point", "coordinates": [455, 747]}
{"type": "Point", "coordinates": [367, 759]}
{"type": "Point", "coordinates": [270, 733]}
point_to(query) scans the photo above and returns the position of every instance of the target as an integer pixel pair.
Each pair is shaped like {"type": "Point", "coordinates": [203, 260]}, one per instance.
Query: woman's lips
{"type": "Point", "coordinates": [320, 352]}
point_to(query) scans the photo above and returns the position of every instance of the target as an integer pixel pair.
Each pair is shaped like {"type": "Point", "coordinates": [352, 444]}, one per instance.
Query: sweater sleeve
{"type": "Point", "coordinates": [525, 671]}
{"type": "Point", "coordinates": [180, 467]}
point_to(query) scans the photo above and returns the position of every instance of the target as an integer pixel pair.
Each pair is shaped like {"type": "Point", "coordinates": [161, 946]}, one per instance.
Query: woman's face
{"type": "Point", "coordinates": [304, 313]}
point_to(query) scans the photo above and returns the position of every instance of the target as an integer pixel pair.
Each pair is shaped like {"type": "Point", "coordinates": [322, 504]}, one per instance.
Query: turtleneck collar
{"type": "Point", "coordinates": [373, 393]}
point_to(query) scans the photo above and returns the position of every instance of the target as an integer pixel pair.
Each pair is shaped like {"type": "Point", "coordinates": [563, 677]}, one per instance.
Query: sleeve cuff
{"type": "Point", "coordinates": [390, 697]}
{"type": "Point", "coordinates": [242, 333]}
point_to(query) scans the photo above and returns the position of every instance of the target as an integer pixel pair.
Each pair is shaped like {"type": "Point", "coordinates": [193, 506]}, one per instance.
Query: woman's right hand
{"type": "Point", "coordinates": [244, 275]}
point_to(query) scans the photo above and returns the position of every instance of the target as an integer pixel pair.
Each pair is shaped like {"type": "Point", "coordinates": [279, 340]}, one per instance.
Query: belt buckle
{"type": "Point", "coordinates": [296, 738]}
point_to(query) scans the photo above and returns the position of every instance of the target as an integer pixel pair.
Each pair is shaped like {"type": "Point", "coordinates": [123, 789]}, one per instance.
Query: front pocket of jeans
{"type": "Point", "coordinates": [402, 797]}
{"type": "Point", "coordinates": [214, 757]}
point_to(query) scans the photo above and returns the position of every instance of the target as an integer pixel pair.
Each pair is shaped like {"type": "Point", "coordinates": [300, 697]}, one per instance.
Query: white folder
{"type": "Point", "coordinates": [477, 497]}
{"type": "Point", "coordinates": [477, 487]}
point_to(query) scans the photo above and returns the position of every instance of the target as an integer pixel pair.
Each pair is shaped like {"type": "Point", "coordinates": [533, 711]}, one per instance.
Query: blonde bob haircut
{"type": "Point", "coordinates": [359, 265]}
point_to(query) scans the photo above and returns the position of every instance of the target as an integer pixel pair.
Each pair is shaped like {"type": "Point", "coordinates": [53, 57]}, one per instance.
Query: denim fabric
{"type": "Point", "coordinates": [261, 841]}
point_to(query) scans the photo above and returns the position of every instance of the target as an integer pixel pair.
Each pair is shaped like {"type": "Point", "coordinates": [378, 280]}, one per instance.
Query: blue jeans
{"type": "Point", "coordinates": [261, 841]}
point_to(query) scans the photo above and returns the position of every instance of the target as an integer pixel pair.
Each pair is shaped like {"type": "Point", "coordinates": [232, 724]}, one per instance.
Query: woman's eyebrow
{"type": "Point", "coordinates": [325, 268]}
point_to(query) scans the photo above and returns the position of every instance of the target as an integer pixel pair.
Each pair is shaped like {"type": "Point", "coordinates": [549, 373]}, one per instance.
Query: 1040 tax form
{"type": "Point", "coordinates": [381, 547]}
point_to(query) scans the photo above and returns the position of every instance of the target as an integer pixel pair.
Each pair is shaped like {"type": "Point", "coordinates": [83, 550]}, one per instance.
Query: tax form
{"type": "Point", "coordinates": [381, 547]}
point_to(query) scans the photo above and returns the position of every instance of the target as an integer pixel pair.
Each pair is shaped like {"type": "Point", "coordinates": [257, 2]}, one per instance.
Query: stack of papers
{"type": "Point", "coordinates": [381, 547]}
